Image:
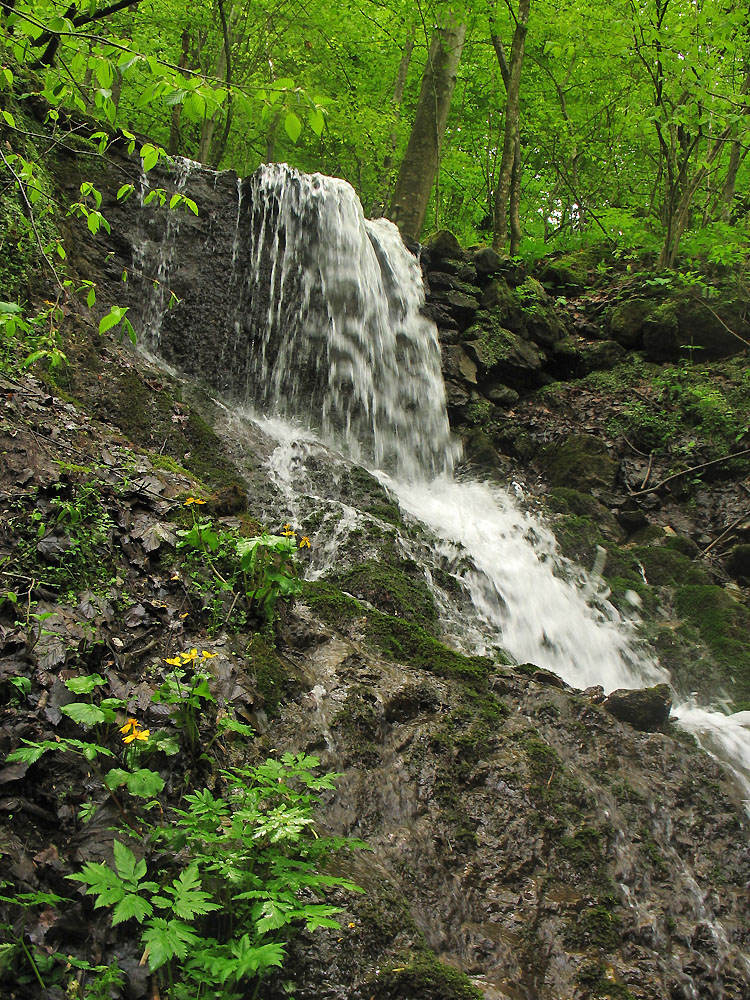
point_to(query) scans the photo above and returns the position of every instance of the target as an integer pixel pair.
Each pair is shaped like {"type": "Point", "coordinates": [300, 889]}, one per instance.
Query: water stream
{"type": "Point", "coordinates": [345, 306]}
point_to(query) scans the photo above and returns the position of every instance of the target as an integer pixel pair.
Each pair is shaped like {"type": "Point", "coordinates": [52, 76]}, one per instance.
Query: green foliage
{"type": "Point", "coordinates": [263, 567]}
{"type": "Point", "coordinates": [254, 869]}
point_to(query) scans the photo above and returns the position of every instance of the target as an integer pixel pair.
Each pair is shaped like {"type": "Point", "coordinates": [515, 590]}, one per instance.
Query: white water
{"type": "Point", "coordinates": [344, 345]}
{"type": "Point", "coordinates": [349, 307]}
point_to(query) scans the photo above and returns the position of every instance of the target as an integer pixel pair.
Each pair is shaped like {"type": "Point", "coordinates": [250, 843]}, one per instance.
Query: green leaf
{"type": "Point", "coordinates": [9, 119]}
{"type": "Point", "coordinates": [292, 126]}
{"type": "Point", "coordinates": [149, 156]}
{"type": "Point", "coordinates": [144, 783]}
{"type": "Point", "coordinates": [317, 121]}
{"type": "Point", "coordinates": [84, 685]}
{"type": "Point", "coordinates": [125, 191]}
{"type": "Point", "coordinates": [113, 317]}
{"type": "Point", "coordinates": [91, 298]}
{"type": "Point", "coordinates": [167, 939]}
{"type": "Point", "coordinates": [87, 715]}
{"type": "Point", "coordinates": [132, 906]}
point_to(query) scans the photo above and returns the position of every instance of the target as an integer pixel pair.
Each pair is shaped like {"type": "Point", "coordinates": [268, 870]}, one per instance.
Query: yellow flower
{"type": "Point", "coordinates": [132, 731]}
{"type": "Point", "coordinates": [287, 532]}
{"type": "Point", "coordinates": [189, 657]}
{"type": "Point", "coordinates": [193, 500]}
{"type": "Point", "coordinates": [304, 542]}
{"type": "Point", "coordinates": [174, 661]}
{"type": "Point", "coordinates": [137, 734]}
{"type": "Point", "coordinates": [205, 655]}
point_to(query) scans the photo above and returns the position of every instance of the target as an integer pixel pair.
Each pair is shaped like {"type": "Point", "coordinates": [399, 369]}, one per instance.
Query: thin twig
{"type": "Point", "coordinates": [648, 470]}
{"type": "Point", "coordinates": [695, 468]}
{"type": "Point", "coordinates": [716, 315]}
{"type": "Point", "coordinates": [725, 532]}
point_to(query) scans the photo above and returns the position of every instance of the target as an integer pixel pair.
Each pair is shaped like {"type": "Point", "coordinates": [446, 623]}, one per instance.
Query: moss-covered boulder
{"type": "Point", "coordinates": [661, 332]}
{"type": "Point", "coordinates": [627, 319]}
{"type": "Point", "coordinates": [582, 462]}
{"type": "Point", "coordinates": [423, 978]}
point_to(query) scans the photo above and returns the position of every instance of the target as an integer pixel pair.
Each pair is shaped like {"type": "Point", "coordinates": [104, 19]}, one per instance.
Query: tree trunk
{"type": "Point", "coordinates": [511, 145]}
{"type": "Point", "coordinates": [385, 180]}
{"type": "Point", "coordinates": [421, 161]}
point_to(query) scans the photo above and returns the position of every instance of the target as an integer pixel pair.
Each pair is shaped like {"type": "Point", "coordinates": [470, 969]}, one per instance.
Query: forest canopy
{"type": "Point", "coordinates": [568, 123]}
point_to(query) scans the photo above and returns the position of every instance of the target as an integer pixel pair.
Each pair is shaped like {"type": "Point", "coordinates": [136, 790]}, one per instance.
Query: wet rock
{"type": "Point", "coordinates": [581, 461]}
{"type": "Point", "coordinates": [644, 708]}
{"type": "Point", "coordinates": [443, 245]}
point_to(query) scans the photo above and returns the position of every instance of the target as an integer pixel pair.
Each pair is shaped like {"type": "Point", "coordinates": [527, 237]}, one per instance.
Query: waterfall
{"type": "Point", "coordinates": [346, 351]}
{"type": "Point", "coordinates": [343, 344]}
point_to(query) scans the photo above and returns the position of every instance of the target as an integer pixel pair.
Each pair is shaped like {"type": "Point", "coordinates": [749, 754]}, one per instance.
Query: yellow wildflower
{"type": "Point", "coordinates": [132, 731]}
{"type": "Point", "coordinates": [137, 734]}
{"type": "Point", "coordinates": [287, 532]}
{"type": "Point", "coordinates": [189, 657]}
{"type": "Point", "coordinates": [304, 542]}
{"type": "Point", "coordinates": [205, 655]}
{"type": "Point", "coordinates": [174, 661]}
{"type": "Point", "coordinates": [193, 500]}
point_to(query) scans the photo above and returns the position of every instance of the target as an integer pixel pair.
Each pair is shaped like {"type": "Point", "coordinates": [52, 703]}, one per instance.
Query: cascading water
{"type": "Point", "coordinates": [344, 347]}
{"type": "Point", "coordinates": [346, 350]}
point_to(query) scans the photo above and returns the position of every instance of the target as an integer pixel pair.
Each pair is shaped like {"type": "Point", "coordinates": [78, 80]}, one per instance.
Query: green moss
{"type": "Point", "coordinates": [272, 678]}
{"type": "Point", "coordinates": [578, 538]}
{"type": "Point", "coordinates": [724, 625]}
{"type": "Point", "coordinates": [581, 461]}
{"type": "Point", "coordinates": [327, 601]}
{"type": "Point", "coordinates": [423, 977]}
{"type": "Point", "coordinates": [408, 643]}
{"type": "Point", "coordinates": [597, 927]}
{"type": "Point", "coordinates": [595, 980]}
{"type": "Point", "coordinates": [665, 567]}
{"type": "Point", "coordinates": [395, 590]}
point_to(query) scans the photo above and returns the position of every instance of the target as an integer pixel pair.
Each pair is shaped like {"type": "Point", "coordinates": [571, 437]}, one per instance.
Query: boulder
{"type": "Point", "coordinates": [488, 261]}
{"type": "Point", "coordinates": [626, 321]}
{"type": "Point", "coordinates": [646, 709]}
{"type": "Point", "coordinates": [581, 461]}
{"type": "Point", "coordinates": [443, 245]}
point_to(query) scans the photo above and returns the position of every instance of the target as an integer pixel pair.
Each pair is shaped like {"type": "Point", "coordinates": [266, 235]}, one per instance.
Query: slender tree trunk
{"type": "Point", "coordinates": [174, 124]}
{"type": "Point", "coordinates": [421, 161]}
{"type": "Point", "coordinates": [385, 180]}
{"type": "Point", "coordinates": [511, 146]}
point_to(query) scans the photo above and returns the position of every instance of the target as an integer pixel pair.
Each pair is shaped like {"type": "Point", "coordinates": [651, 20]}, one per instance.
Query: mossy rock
{"type": "Point", "coordinates": [565, 500]}
{"type": "Point", "coordinates": [581, 462]}
{"type": "Point", "coordinates": [499, 351]}
{"type": "Point", "coordinates": [407, 643]}
{"type": "Point", "coordinates": [398, 639]}
{"type": "Point", "coordinates": [665, 567]}
{"type": "Point", "coordinates": [561, 278]}
{"type": "Point", "coordinates": [395, 590]}
{"type": "Point", "coordinates": [724, 625]}
{"type": "Point", "coordinates": [272, 677]}
{"type": "Point", "coordinates": [627, 319]}
{"type": "Point", "coordinates": [422, 977]}
{"type": "Point", "coordinates": [603, 355]}
{"type": "Point", "coordinates": [661, 333]}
